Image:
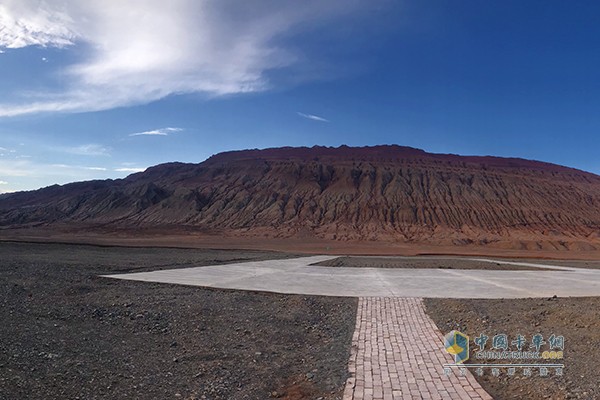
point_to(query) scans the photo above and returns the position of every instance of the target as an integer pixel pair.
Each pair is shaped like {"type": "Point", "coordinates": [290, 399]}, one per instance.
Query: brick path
{"type": "Point", "coordinates": [398, 353]}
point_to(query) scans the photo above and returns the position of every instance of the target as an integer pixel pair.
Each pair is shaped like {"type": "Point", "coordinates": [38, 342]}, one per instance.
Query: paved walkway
{"type": "Point", "coordinates": [298, 276]}
{"type": "Point", "coordinates": [397, 350]}
{"type": "Point", "coordinates": [398, 353]}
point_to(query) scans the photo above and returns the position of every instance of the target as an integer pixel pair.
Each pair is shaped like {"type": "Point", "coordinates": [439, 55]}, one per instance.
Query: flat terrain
{"type": "Point", "coordinates": [577, 319]}
{"type": "Point", "coordinates": [301, 276]}
{"type": "Point", "coordinates": [68, 333]}
{"type": "Point", "coordinates": [427, 262]}
{"type": "Point", "coordinates": [308, 244]}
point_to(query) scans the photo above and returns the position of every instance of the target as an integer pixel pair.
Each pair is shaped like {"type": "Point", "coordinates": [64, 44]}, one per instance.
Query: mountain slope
{"type": "Point", "coordinates": [387, 193]}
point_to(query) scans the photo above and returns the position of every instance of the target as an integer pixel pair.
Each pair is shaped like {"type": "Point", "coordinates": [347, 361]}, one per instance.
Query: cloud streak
{"type": "Point", "coordinates": [30, 174]}
{"type": "Point", "coordinates": [130, 169]}
{"type": "Point", "coordinates": [88, 150]}
{"type": "Point", "coordinates": [312, 117]}
{"type": "Point", "coordinates": [158, 132]}
{"type": "Point", "coordinates": [182, 46]}
{"type": "Point", "coordinates": [4, 151]}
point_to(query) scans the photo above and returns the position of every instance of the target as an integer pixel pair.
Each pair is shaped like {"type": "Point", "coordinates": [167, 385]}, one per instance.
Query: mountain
{"type": "Point", "coordinates": [382, 193]}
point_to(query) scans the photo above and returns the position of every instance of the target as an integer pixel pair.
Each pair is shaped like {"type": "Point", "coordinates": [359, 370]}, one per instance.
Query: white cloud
{"type": "Point", "coordinates": [15, 168]}
{"type": "Point", "coordinates": [78, 167]}
{"type": "Point", "coordinates": [140, 51]}
{"type": "Point", "coordinates": [7, 152]}
{"type": "Point", "coordinates": [313, 117]}
{"type": "Point", "coordinates": [157, 132]}
{"type": "Point", "coordinates": [3, 183]}
{"type": "Point", "coordinates": [29, 174]}
{"type": "Point", "coordinates": [88, 150]}
{"type": "Point", "coordinates": [130, 169]}
{"type": "Point", "coordinates": [27, 23]}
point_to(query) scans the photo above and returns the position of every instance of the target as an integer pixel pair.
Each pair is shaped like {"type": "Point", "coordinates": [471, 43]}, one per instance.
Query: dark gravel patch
{"type": "Point", "coordinates": [410, 262]}
{"type": "Point", "coordinates": [577, 319]}
{"type": "Point", "coordinates": [67, 333]}
{"type": "Point", "coordinates": [563, 263]}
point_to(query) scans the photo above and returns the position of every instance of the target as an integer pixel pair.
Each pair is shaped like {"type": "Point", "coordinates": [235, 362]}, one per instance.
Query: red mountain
{"type": "Point", "coordinates": [385, 193]}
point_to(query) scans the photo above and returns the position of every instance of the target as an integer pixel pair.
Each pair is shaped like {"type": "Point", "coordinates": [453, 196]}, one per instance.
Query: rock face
{"type": "Point", "coordinates": [387, 193]}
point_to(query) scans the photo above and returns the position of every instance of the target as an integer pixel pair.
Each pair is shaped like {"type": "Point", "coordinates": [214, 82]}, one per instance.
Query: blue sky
{"type": "Point", "coordinates": [100, 89]}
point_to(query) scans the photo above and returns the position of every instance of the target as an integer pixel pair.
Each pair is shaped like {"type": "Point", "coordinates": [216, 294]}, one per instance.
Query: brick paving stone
{"type": "Point", "coordinates": [398, 353]}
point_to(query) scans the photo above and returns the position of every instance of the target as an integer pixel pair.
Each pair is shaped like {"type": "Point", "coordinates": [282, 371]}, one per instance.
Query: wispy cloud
{"type": "Point", "coordinates": [30, 169]}
{"type": "Point", "coordinates": [3, 183]}
{"type": "Point", "coordinates": [46, 27]}
{"type": "Point", "coordinates": [67, 166]}
{"type": "Point", "coordinates": [312, 117]}
{"type": "Point", "coordinates": [5, 150]}
{"type": "Point", "coordinates": [158, 132]}
{"type": "Point", "coordinates": [222, 47]}
{"type": "Point", "coordinates": [130, 169]}
{"type": "Point", "coordinates": [30, 174]}
{"type": "Point", "coordinates": [88, 150]}
{"type": "Point", "coordinates": [16, 168]}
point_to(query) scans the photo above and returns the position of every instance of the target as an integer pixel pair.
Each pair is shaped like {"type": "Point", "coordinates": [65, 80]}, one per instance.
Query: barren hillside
{"type": "Point", "coordinates": [387, 193]}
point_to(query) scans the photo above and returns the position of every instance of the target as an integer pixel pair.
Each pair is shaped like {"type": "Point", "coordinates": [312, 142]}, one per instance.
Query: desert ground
{"type": "Point", "coordinates": [193, 238]}
{"type": "Point", "coordinates": [577, 319]}
{"type": "Point", "coordinates": [421, 262]}
{"type": "Point", "coordinates": [68, 332]}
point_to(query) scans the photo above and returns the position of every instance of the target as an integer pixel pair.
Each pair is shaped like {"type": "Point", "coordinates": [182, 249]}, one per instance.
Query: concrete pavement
{"type": "Point", "coordinates": [298, 276]}
{"type": "Point", "coordinates": [397, 351]}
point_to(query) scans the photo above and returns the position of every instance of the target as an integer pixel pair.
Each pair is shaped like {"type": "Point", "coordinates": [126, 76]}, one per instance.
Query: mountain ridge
{"type": "Point", "coordinates": [390, 193]}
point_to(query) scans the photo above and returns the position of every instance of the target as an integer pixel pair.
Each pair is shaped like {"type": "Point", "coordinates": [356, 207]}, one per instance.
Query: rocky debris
{"type": "Point", "coordinates": [67, 333]}
{"type": "Point", "coordinates": [401, 262]}
{"type": "Point", "coordinates": [576, 319]}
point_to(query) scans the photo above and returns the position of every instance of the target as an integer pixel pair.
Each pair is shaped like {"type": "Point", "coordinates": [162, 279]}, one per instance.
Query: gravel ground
{"type": "Point", "coordinates": [577, 319]}
{"type": "Point", "coordinates": [410, 262]}
{"type": "Point", "coordinates": [68, 334]}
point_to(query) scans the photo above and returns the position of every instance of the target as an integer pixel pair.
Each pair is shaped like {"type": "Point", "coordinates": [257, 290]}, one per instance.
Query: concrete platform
{"type": "Point", "coordinates": [297, 276]}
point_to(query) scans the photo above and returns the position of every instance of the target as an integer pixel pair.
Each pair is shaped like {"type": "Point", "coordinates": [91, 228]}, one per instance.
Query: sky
{"type": "Point", "coordinates": [100, 89]}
